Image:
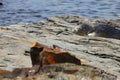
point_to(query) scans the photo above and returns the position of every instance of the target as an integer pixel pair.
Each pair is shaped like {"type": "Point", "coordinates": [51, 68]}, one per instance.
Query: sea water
{"type": "Point", "coordinates": [17, 11]}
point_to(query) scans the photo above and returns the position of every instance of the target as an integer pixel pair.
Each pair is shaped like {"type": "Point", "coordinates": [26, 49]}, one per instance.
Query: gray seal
{"type": "Point", "coordinates": [82, 29]}
{"type": "Point", "coordinates": [99, 30]}
{"type": "Point", "coordinates": [107, 31]}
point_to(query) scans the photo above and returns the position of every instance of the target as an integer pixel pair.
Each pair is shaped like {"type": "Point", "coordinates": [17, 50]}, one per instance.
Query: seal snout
{"type": "Point", "coordinates": [83, 29]}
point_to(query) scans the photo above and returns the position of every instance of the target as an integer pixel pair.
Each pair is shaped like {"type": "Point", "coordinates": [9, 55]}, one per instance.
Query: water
{"type": "Point", "coordinates": [17, 11]}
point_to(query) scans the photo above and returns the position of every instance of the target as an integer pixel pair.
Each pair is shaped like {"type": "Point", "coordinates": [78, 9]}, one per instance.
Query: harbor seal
{"type": "Point", "coordinates": [107, 31]}
{"type": "Point", "coordinates": [99, 30]}
{"type": "Point", "coordinates": [82, 29]}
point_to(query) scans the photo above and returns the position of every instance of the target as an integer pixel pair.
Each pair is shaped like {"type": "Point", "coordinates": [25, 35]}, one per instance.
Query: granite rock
{"type": "Point", "coordinates": [103, 53]}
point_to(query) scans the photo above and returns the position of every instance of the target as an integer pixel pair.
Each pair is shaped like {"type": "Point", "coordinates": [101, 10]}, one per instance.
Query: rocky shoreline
{"type": "Point", "coordinates": [103, 53]}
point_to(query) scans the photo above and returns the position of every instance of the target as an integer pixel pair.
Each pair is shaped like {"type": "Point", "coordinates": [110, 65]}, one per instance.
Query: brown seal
{"type": "Point", "coordinates": [43, 55]}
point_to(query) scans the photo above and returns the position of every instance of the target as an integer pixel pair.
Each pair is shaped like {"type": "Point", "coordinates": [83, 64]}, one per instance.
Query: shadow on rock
{"type": "Point", "coordinates": [55, 63]}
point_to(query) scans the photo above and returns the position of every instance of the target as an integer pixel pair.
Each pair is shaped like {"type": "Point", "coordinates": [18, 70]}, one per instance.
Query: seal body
{"type": "Point", "coordinates": [107, 31]}
{"type": "Point", "coordinates": [99, 30]}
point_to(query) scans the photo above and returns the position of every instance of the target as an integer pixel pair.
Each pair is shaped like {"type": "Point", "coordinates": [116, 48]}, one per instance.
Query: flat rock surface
{"type": "Point", "coordinates": [67, 71]}
{"type": "Point", "coordinates": [103, 53]}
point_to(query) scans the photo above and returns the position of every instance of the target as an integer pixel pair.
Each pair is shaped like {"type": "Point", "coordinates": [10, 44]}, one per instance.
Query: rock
{"type": "Point", "coordinates": [3, 65]}
{"type": "Point", "coordinates": [102, 53]}
{"type": "Point", "coordinates": [69, 71]}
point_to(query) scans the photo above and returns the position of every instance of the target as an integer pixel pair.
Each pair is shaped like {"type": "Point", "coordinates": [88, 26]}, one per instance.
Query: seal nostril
{"type": "Point", "coordinates": [1, 3]}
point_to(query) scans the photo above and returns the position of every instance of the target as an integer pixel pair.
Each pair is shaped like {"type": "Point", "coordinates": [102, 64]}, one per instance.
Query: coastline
{"type": "Point", "coordinates": [97, 51]}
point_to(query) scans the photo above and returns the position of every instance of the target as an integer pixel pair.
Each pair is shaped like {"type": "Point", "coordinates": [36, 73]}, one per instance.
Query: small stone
{"type": "Point", "coordinates": [10, 54]}
{"type": "Point", "coordinates": [58, 69]}
{"type": "Point", "coordinates": [3, 65]}
{"type": "Point", "coordinates": [26, 54]}
{"type": "Point", "coordinates": [51, 76]}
